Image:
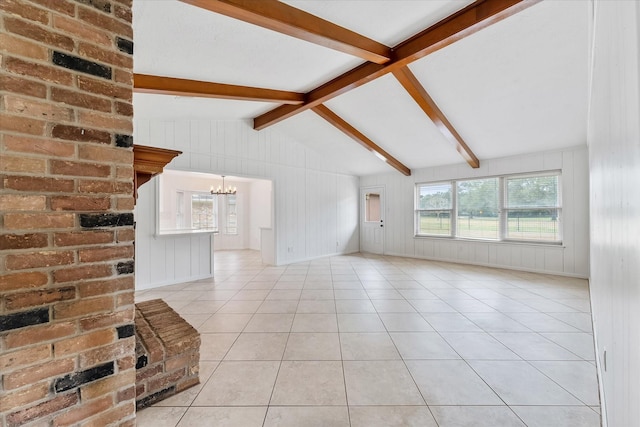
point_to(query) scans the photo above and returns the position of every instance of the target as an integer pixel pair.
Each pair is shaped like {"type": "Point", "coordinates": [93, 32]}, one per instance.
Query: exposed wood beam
{"type": "Point", "coordinates": [411, 84]}
{"type": "Point", "coordinates": [285, 19]}
{"type": "Point", "coordinates": [144, 83]}
{"type": "Point", "coordinates": [469, 20]}
{"type": "Point", "coordinates": [360, 138]}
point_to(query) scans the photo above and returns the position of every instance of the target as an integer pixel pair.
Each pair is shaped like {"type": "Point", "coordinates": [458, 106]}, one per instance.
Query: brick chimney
{"type": "Point", "coordinates": [67, 345]}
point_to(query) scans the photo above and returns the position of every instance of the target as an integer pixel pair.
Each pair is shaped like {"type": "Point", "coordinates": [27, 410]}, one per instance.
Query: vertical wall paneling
{"type": "Point", "coordinates": [572, 258]}
{"type": "Point", "coordinates": [529, 258]}
{"type": "Point", "coordinates": [568, 228]}
{"type": "Point", "coordinates": [314, 205]}
{"type": "Point", "coordinates": [614, 170]}
{"type": "Point", "coordinates": [581, 221]}
{"type": "Point", "coordinates": [168, 246]}
{"type": "Point", "coordinates": [194, 256]}
{"type": "Point", "coordinates": [259, 215]}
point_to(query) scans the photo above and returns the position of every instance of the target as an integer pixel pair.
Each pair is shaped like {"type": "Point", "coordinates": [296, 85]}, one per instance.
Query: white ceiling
{"type": "Point", "coordinates": [516, 87]}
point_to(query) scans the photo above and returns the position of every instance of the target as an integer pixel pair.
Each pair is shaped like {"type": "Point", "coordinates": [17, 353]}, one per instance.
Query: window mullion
{"type": "Point", "coordinates": [454, 208]}
{"type": "Point", "coordinates": [502, 212]}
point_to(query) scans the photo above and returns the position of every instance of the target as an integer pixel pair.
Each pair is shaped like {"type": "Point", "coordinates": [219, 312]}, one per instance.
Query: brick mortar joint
{"type": "Point", "coordinates": [109, 14]}
{"type": "Point", "coordinates": [74, 87]}
{"type": "Point", "coordinates": [49, 27]}
{"type": "Point", "coordinates": [142, 325]}
{"type": "Point", "coordinates": [118, 19]}
{"type": "Point", "coordinates": [74, 73]}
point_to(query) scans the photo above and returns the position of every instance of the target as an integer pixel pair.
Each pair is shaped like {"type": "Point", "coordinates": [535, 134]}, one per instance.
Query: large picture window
{"type": "Point", "coordinates": [520, 207]}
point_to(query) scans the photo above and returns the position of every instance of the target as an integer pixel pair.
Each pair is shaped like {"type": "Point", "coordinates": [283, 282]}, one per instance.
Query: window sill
{"type": "Point", "coordinates": [493, 242]}
{"type": "Point", "coordinates": [187, 232]}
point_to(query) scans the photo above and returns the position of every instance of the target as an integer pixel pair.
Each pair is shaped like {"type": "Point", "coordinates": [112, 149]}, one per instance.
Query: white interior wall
{"type": "Point", "coordinates": [260, 211]}
{"type": "Point", "coordinates": [315, 205]}
{"type": "Point", "coordinates": [614, 167]}
{"type": "Point", "coordinates": [570, 258]}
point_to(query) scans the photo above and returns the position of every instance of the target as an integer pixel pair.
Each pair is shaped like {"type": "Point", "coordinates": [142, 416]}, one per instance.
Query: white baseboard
{"type": "Point", "coordinates": [148, 286]}
{"type": "Point", "coordinates": [482, 264]}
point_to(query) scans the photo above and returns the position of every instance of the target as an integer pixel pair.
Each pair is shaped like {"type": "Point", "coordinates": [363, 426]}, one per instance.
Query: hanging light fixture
{"type": "Point", "coordinates": [222, 190]}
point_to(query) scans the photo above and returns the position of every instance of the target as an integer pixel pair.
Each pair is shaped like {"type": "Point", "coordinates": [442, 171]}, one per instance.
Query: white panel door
{"type": "Point", "coordinates": [372, 220]}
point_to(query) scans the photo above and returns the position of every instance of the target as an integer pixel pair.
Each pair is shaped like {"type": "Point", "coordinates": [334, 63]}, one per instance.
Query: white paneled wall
{"type": "Point", "coordinates": [260, 214]}
{"type": "Point", "coordinates": [614, 168]}
{"type": "Point", "coordinates": [315, 205]}
{"type": "Point", "coordinates": [162, 260]}
{"type": "Point", "coordinates": [572, 258]}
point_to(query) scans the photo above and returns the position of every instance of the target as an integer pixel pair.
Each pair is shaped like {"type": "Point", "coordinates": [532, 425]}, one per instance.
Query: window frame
{"type": "Point", "coordinates": [503, 210]}
{"type": "Point", "coordinates": [214, 210]}
{"type": "Point", "coordinates": [228, 212]}
{"type": "Point", "coordinates": [451, 210]}
{"type": "Point", "coordinates": [457, 208]}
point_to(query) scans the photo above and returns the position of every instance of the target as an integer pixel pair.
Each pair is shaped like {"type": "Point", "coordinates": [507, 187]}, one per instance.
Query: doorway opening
{"type": "Point", "coordinates": [240, 220]}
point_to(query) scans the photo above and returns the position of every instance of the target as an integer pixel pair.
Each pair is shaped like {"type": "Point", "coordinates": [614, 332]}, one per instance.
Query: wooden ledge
{"type": "Point", "coordinates": [150, 161]}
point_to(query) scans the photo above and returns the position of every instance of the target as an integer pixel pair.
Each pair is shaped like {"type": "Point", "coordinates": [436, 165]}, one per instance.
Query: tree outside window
{"type": "Point", "coordinates": [204, 211]}
{"type": "Point", "coordinates": [434, 209]}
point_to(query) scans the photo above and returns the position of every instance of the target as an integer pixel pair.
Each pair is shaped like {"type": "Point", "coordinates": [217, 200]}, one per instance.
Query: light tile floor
{"type": "Point", "coordinates": [372, 341]}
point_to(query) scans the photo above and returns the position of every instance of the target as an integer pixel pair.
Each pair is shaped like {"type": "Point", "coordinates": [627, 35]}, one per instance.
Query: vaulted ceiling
{"type": "Point", "coordinates": [468, 90]}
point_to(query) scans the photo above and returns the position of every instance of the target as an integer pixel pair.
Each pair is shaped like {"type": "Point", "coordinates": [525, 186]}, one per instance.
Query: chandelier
{"type": "Point", "coordinates": [222, 190]}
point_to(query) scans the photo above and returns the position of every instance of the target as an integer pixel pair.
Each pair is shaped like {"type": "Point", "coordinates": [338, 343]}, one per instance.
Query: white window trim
{"type": "Point", "coordinates": [225, 214]}
{"type": "Point", "coordinates": [451, 210]}
{"type": "Point", "coordinates": [215, 212]}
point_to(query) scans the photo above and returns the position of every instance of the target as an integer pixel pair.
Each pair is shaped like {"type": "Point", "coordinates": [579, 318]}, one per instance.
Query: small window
{"type": "Point", "coordinates": [232, 215]}
{"type": "Point", "coordinates": [372, 205]}
{"type": "Point", "coordinates": [434, 207]}
{"type": "Point", "coordinates": [477, 209]}
{"type": "Point", "coordinates": [532, 208]}
{"type": "Point", "coordinates": [204, 211]}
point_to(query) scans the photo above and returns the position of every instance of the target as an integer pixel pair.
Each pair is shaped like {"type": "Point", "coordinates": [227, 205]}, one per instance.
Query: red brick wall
{"type": "Point", "coordinates": [67, 348]}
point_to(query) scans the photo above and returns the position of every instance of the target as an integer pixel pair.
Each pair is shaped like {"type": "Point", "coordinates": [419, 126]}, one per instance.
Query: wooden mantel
{"type": "Point", "coordinates": [148, 162]}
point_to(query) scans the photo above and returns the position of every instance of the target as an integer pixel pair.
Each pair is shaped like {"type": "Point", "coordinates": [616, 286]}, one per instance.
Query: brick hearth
{"type": "Point", "coordinates": [167, 350]}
